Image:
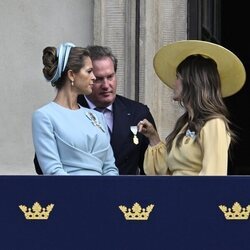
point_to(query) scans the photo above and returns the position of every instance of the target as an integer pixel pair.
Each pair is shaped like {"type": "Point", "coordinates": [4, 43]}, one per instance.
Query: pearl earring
{"type": "Point", "coordinates": [72, 83]}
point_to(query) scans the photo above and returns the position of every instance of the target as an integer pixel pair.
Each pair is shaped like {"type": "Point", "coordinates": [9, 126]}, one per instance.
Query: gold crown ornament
{"type": "Point", "coordinates": [136, 212]}
{"type": "Point", "coordinates": [36, 212]}
{"type": "Point", "coordinates": [237, 212]}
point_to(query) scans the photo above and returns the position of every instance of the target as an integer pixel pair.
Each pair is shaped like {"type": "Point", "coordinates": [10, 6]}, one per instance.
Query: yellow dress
{"type": "Point", "coordinates": [191, 159]}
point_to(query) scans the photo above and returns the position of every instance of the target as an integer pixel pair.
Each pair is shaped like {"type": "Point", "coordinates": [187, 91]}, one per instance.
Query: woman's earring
{"type": "Point", "coordinates": [72, 83]}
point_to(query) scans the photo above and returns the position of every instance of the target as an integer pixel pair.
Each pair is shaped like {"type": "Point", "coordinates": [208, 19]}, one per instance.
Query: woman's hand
{"type": "Point", "coordinates": [147, 129]}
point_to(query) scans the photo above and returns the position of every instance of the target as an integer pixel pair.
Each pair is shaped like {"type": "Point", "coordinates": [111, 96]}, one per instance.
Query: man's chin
{"type": "Point", "coordinates": [107, 100]}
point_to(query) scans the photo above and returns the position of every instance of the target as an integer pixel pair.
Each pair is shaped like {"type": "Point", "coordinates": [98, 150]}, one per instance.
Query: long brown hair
{"type": "Point", "coordinates": [201, 97]}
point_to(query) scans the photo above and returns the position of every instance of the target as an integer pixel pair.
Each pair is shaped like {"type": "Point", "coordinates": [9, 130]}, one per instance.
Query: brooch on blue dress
{"type": "Point", "coordinates": [94, 121]}
{"type": "Point", "coordinates": [190, 134]}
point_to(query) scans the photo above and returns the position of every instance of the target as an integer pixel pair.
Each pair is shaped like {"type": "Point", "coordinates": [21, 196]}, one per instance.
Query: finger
{"type": "Point", "coordinates": [140, 126]}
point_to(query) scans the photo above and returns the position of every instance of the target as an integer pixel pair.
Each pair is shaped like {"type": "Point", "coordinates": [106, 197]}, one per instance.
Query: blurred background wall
{"type": "Point", "coordinates": [27, 27]}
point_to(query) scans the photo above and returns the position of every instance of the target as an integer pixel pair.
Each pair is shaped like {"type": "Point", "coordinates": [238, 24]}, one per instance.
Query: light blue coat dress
{"type": "Point", "coordinates": [72, 142]}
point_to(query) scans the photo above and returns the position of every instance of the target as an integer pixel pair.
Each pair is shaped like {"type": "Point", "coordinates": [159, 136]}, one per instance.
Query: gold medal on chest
{"type": "Point", "coordinates": [134, 131]}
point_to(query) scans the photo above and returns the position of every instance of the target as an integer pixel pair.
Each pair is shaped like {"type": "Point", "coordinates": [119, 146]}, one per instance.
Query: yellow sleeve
{"type": "Point", "coordinates": [215, 142]}
{"type": "Point", "coordinates": [155, 160]}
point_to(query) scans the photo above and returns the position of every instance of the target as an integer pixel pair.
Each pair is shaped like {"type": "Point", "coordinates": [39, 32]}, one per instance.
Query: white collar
{"type": "Point", "coordinates": [92, 105]}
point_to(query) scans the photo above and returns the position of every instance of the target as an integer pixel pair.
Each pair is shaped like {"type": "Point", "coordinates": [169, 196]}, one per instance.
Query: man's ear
{"type": "Point", "coordinates": [71, 75]}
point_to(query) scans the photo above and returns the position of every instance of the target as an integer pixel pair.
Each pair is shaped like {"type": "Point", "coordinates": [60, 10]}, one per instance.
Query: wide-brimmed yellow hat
{"type": "Point", "coordinates": [231, 69]}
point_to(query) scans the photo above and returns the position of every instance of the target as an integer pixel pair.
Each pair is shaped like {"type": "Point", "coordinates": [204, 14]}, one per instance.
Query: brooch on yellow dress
{"type": "Point", "coordinates": [189, 134]}
{"type": "Point", "coordinates": [94, 121]}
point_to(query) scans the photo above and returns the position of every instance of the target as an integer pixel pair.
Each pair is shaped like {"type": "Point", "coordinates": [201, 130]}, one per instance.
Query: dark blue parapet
{"type": "Point", "coordinates": [86, 213]}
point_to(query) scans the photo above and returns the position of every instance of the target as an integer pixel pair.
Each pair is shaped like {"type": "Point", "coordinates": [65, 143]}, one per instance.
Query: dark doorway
{"type": "Point", "coordinates": [223, 22]}
{"type": "Point", "coordinates": [233, 38]}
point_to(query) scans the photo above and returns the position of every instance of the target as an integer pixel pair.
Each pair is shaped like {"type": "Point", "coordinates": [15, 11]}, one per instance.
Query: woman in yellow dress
{"type": "Point", "coordinates": [200, 74]}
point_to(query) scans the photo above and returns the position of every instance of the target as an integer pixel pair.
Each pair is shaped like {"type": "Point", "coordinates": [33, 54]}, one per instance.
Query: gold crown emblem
{"type": "Point", "coordinates": [136, 212]}
{"type": "Point", "coordinates": [236, 212]}
{"type": "Point", "coordinates": [36, 212]}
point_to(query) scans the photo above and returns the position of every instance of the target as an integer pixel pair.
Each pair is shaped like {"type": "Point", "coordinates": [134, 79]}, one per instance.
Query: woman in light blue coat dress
{"type": "Point", "coordinates": [68, 138]}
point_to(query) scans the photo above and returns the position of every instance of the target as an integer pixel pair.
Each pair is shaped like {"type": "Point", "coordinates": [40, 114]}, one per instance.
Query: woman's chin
{"type": "Point", "coordinates": [88, 92]}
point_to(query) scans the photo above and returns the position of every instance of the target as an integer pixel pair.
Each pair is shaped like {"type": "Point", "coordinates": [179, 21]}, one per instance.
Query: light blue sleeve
{"type": "Point", "coordinates": [109, 167]}
{"type": "Point", "coordinates": [45, 145]}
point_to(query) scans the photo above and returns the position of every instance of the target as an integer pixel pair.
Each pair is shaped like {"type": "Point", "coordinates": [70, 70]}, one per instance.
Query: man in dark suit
{"type": "Point", "coordinates": [120, 112]}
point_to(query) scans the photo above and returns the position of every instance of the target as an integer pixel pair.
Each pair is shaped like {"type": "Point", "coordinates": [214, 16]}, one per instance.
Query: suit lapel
{"type": "Point", "coordinates": [121, 121]}
{"type": "Point", "coordinates": [82, 101]}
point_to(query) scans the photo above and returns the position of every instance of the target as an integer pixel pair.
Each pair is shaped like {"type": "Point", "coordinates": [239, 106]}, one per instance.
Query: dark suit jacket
{"type": "Point", "coordinates": [129, 156]}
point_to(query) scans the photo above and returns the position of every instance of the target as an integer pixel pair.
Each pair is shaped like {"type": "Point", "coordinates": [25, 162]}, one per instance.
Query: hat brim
{"type": "Point", "coordinates": [231, 69]}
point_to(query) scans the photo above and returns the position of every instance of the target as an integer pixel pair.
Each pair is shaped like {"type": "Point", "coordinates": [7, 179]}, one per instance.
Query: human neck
{"type": "Point", "coordinates": [67, 100]}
